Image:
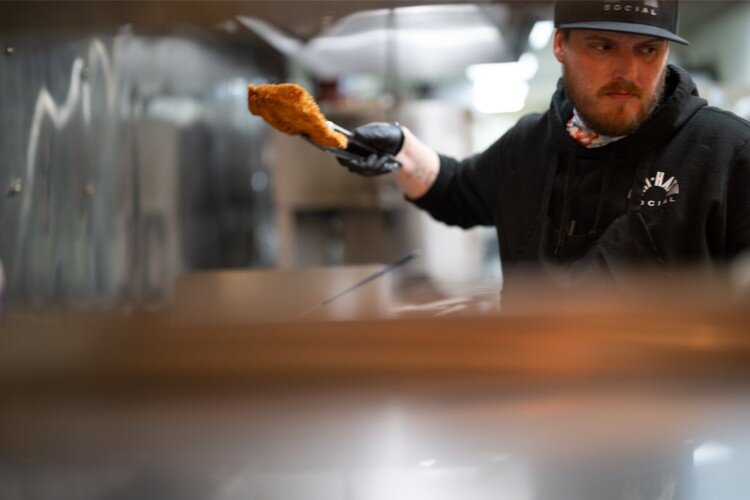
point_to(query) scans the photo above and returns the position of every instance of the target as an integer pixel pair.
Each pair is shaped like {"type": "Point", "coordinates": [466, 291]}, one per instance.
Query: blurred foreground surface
{"type": "Point", "coordinates": [572, 397]}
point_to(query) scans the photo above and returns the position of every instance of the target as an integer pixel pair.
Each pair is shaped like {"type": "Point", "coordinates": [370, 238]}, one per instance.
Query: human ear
{"type": "Point", "coordinates": [557, 45]}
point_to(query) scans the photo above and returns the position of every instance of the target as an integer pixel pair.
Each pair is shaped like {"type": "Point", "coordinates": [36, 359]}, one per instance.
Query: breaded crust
{"type": "Point", "coordinates": [289, 108]}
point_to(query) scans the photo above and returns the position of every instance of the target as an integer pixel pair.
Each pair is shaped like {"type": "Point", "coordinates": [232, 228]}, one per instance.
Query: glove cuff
{"type": "Point", "coordinates": [401, 141]}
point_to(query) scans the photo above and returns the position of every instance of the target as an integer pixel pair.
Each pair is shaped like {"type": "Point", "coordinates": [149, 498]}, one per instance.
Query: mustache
{"type": "Point", "coordinates": [622, 86]}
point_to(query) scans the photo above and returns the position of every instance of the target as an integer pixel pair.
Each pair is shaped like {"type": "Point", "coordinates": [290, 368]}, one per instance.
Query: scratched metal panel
{"type": "Point", "coordinates": [124, 160]}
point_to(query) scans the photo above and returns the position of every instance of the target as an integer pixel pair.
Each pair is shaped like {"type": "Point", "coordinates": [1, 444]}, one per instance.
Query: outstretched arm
{"type": "Point", "coordinates": [461, 193]}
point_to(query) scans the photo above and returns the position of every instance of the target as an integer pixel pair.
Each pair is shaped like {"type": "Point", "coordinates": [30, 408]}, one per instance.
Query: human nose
{"type": "Point", "coordinates": [625, 67]}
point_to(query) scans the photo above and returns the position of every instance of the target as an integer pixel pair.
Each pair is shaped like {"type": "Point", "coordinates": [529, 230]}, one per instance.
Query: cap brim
{"type": "Point", "coordinates": [639, 29]}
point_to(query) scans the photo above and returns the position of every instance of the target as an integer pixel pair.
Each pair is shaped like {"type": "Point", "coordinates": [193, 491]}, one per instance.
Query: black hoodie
{"type": "Point", "coordinates": [688, 165]}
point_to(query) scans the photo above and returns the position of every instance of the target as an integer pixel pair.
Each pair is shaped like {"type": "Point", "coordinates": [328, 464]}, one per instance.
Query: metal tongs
{"type": "Point", "coordinates": [393, 163]}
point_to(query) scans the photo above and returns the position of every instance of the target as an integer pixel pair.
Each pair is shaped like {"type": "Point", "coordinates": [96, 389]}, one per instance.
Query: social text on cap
{"type": "Point", "coordinates": [630, 8]}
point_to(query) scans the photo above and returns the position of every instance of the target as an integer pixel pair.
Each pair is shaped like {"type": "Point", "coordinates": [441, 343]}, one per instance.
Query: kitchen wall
{"type": "Point", "coordinates": [125, 159]}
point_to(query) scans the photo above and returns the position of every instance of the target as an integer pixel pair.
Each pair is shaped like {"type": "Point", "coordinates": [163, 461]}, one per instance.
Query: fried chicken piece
{"type": "Point", "coordinates": [289, 108]}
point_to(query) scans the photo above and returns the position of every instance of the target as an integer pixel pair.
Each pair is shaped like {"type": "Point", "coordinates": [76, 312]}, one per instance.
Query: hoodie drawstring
{"type": "Point", "coordinates": [606, 177]}
{"type": "Point", "coordinates": [636, 193]}
{"type": "Point", "coordinates": [539, 225]}
{"type": "Point", "coordinates": [549, 183]}
{"type": "Point", "coordinates": [567, 201]}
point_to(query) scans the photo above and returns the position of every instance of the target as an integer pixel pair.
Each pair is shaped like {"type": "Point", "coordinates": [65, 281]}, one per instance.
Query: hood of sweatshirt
{"type": "Point", "coordinates": [679, 103]}
{"type": "Point", "coordinates": [579, 181]}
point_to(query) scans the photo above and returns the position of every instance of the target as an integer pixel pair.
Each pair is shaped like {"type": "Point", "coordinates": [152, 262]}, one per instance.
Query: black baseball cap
{"type": "Point", "coordinates": [657, 18]}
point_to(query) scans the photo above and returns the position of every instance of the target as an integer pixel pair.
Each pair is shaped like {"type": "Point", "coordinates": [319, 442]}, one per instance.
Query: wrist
{"type": "Point", "coordinates": [420, 166]}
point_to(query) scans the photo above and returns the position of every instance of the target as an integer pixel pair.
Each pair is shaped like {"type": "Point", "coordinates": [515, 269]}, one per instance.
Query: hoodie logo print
{"type": "Point", "coordinates": [657, 191]}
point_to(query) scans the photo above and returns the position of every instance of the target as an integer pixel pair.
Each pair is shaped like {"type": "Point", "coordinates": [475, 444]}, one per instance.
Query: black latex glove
{"type": "Point", "coordinates": [385, 138]}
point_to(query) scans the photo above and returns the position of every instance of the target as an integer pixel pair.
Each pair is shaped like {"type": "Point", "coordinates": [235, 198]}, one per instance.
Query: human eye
{"type": "Point", "coordinates": [601, 46]}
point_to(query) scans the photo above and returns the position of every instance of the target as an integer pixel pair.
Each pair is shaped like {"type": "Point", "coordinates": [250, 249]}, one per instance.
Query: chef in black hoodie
{"type": "Point", "coordinates": [629, 166]}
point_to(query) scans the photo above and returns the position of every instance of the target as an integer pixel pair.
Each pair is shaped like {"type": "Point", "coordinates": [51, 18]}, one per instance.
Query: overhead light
{"type": "Point", "coordinates": [500, 97]}
{"type": "Point", "coordinates": [502, 87]}
{"type": "Point", "coordinates": [427, 463]}
{"type": "Point", "coordinates": [712, 452]}
{"type": "Point", "coordinates": [522, 70]}
{"type": "Point", "coordinates": [541, 34]}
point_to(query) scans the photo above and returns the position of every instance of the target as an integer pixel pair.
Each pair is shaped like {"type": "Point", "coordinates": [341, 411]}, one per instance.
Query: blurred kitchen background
{"type": "Point", "coordinates": [133, 178]}
{"type": "Point", "coordinates": [128, 156]}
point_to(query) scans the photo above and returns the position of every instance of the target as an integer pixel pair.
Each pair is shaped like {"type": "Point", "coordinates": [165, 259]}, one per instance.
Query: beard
{"type": "Point", "coordinates": [612, 120]}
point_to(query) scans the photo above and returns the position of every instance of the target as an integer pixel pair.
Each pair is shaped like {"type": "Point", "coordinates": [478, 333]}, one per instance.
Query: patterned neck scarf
{"type": "Point", "coordinates": [587, 137]}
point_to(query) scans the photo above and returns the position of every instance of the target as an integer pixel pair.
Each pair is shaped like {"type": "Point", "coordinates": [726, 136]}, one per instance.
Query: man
{"type": "Point", "coordinates": [628, 166]}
